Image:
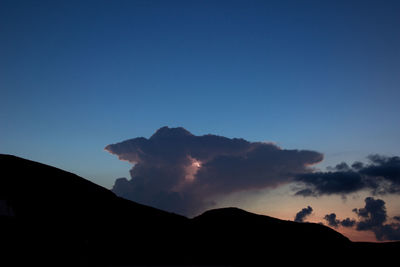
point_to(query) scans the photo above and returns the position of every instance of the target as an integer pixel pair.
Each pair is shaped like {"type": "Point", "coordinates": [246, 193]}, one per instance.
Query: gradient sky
{"type": "Point", "coordinates": [76, 76]}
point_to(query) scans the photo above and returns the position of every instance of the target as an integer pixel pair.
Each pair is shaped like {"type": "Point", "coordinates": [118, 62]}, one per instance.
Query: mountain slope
{"type": "Point", "coordinates": [52, 217]}
{"type": "Point", "coordinates": [63, 216]}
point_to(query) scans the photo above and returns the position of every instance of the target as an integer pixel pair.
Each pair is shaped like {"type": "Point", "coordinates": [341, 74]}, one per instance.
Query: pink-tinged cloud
{"type": "Point", "coordinates": [180, 172]}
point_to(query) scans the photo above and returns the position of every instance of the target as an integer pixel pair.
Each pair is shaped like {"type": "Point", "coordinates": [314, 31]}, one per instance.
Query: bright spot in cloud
{"type": "Point", "coordinates": [192, 169]}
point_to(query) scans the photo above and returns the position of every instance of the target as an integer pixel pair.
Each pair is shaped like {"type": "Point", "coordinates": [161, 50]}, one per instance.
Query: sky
{"type": "Point", "coordinates": [322, 76]}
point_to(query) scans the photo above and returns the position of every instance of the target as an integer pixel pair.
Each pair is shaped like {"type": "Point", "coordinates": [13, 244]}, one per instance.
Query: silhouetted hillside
{"type": "Point", "coordinates": [52, 217]}
{"type": "Point", "coordinates": [62, 218]}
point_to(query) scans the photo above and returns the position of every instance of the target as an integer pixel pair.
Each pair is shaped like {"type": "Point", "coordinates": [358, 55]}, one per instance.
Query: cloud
{"type": "Point", "coordinates": [340, 167]}
{"type": "Point", "coordinates": [348, 222]}
{"type": "Point", "coordinates": [327, 183]}
{"type": "Point", "coordinates": [357, 165]}
{"type": "Point", "coordinates": [180, 172]}
{"type": "Point", "coordinates": [333, 222]}
{"type": "Point", "coordinates": [331, 219]}
{"type": "Point", "coordinates": [380, 176]}
{"type": "Point", "coordinates": [386, 170]}
{"type": "Point", "coordinates": [373, 217]}
{"type": "Point", "coordinates": [301, 215]}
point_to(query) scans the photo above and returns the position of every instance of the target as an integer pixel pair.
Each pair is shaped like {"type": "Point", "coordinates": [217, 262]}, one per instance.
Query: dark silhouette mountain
{"type": "Point", "coordinates": [61, 217]}
{"type": "Point", "coordinates": [52, 217]}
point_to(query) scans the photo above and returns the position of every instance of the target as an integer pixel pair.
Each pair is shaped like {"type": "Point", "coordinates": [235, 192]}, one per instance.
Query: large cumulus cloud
{"type": "Point", "coordinates": [180, 172]}
{"type": "Point", "coordinates": [381, 175]}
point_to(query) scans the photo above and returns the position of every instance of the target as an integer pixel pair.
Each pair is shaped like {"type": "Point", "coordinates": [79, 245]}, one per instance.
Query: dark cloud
{"type": "Point", "coordinates": [327, 183]}
{"type": "Point", "coordinates": [357, 165]}
{"type": "Point", "coordinates": [331, 219]}
{"type": "Point", "coordinates": [373, 217]}
{"type": "Point", "coordinates": [177, 171]}
{"type": "Point", "coordinates": [340, 167]}
{"type": "Point", "coordinates": [334, 222]}
{"type": "Point", "coordinates": [348, 222]}
{"type": "Point", "coordinates": [380, 176]}
{"type": "Point", "coordinates": [386, 170]}
{"type": "Point", "coordinates": [301, 215]}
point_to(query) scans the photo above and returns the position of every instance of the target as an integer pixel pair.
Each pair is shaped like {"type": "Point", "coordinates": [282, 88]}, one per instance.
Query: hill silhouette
{"type": "Point", "coordinates": [52, 217]}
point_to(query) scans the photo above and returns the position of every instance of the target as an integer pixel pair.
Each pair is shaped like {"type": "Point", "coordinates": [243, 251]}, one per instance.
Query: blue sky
{"type": "Point", "coordinates": [76, 76]}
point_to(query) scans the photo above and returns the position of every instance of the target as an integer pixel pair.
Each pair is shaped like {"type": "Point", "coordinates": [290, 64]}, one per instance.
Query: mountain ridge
{"type": "Point", "coordinates": [59, 217]}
